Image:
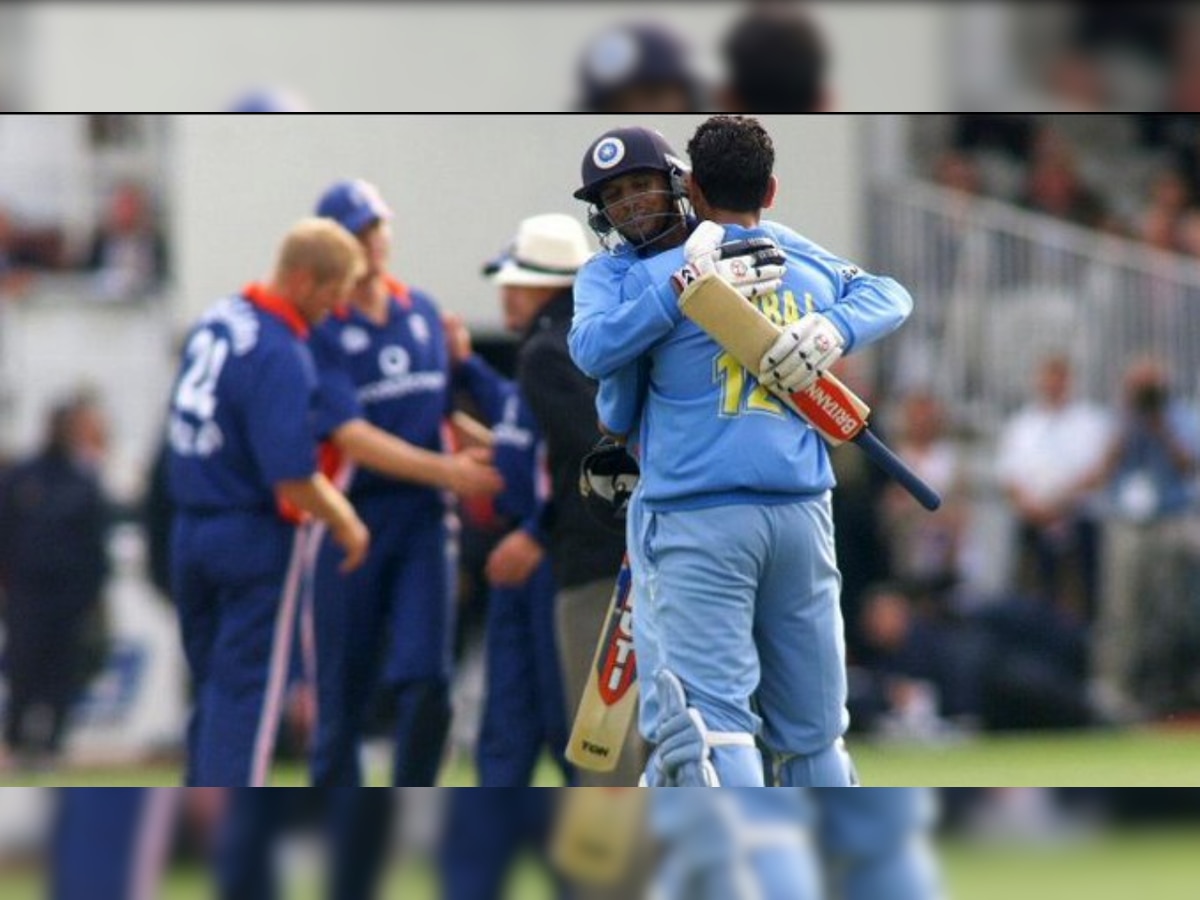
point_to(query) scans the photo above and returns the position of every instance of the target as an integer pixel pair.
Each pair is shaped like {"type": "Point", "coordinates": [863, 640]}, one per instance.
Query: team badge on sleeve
{"type": "Point", "coordinates": [419, 329]}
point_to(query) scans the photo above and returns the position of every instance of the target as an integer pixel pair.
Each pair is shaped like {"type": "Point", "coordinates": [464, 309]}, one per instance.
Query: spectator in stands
{"type": "Point", "coordinates": [15, 276]}
{"type": "Point", "coordinates": [912, 674]}
{"type": "Point", "coordinates": [1183, 83]}
{"type": "Point", "coordinates": [1055, 187]}
{"type": "Point", "coordinates": [958, 171]}
{"type": "Point", "coordinates": [53, 563]}
{"type": "Point", "coordinates": [1009, 134]}
{"type": "Point", "coordinates": [1077, 81]}
{"type": "Point", "coordinates": [1187, 231]}
{"type": "Point", "coordinates": [776, 60]}
{"type": "Point", "coordinates": [1148, 629]}
{"type": "Point", "coordinates": [924, 547]}
{"type": "Point", "coordinates": [1160, 221]}
{"type": "Point", "coordinates": [641, 67]}
{"type": "Point", "coordinates": [1031, 662]}
{"type": "Point", "coordinates": [1044, 452]}
{"type": "Point", "coordinates": [128, 253]}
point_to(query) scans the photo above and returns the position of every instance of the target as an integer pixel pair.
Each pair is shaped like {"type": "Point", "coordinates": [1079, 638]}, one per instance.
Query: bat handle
{"type": "Point", "coordinates": [898, 469]}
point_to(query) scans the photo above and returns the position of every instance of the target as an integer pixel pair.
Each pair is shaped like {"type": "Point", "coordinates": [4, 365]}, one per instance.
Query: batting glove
{"type": "Point", "coordinates": [803, 353]}
{"type": "Point", "coordinates": [754, 266]}
{"type": "Point", "coordinates": [683, 746]}
{"type": "Point", "coordinates": [608, 476]}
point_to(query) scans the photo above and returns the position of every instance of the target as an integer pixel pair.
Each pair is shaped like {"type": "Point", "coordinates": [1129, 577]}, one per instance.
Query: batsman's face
{"type": "Point", "coordinates": [638, 204]}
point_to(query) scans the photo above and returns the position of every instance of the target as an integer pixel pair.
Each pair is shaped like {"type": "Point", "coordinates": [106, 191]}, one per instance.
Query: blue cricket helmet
{"type": "Point", "coordinates": [623, 150]}
{"type": "Point", "coordinates": [354, 204]}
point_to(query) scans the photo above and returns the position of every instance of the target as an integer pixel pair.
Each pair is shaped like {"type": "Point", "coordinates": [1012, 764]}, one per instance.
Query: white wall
{"type": "Point", "coordinates": [458, 184]}
{"type": "Point", "coordinates": [429, 56]}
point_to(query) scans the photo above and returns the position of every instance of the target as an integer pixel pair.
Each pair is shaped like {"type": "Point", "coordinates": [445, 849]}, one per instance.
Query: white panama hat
{"type": "Point", "coordinates": [547, 252]}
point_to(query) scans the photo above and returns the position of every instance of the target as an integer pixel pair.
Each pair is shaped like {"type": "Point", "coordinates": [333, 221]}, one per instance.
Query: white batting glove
{"type": "Point", "coordinates": [803, 352]}
{"type": "Point", "coordinates": [754, 266]}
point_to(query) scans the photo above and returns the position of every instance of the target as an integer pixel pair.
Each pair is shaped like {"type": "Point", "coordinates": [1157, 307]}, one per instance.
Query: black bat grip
{"type": "Point", "coordinates": [898, 469]}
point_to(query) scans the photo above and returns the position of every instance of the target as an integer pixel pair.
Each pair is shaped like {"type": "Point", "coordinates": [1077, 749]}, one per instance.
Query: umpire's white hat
{"type": "Point", "coordinates": [547, 252]}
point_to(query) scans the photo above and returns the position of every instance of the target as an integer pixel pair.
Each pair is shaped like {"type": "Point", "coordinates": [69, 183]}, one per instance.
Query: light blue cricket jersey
{"type": "Point", "coordinates": [709, 433]}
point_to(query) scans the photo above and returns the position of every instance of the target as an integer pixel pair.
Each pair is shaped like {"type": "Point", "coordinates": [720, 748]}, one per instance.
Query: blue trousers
{"type": "Point", "coordinates": [236, 580]}
{"type": "Point", "coordinates": [741, 603]}
{"type": "Point", "coordinates": [389, 622]}
{"type": "Point", "coordinates": [110, 843]}
{"type": "Point", "coordinates": [356, 825]}
{"type": "Point", "coordinates": [524, 712]}
{"type": "Point", "coordinates": [485, 830]}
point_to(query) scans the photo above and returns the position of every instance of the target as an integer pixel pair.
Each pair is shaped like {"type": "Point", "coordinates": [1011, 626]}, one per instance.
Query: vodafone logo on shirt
{"type": "Point", "coordinates": [394, 361]}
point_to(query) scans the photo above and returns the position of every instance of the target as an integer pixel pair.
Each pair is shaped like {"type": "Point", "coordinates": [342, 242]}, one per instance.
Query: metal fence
{"type": "Point", "coordinates": [997, 288]}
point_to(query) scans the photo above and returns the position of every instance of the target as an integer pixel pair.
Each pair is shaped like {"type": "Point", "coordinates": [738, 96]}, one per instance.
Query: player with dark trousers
{"type": "Point", "coordinates": [110, 843]}
{"type": "Point", "coordinates": [357, 826]}
{"type": "Point", "coordinates": [525, 707]}
{"type": "Point", "coordinates": [383, 360]}
{"type": "Point", "coordinates": [241, 440]}
{"type": "Point", "coordinates": [483, 833]}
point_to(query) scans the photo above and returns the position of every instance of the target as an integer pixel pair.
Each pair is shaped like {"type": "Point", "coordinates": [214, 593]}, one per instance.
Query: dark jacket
{"type": "Point", "coordinates": [53, 526]}
{"type": "Point", "coordinates": [563, 401]}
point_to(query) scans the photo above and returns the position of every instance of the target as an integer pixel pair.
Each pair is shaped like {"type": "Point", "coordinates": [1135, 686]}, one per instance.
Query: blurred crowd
{"type": "Point", "coordinates": [1132, 176]}
{"type": "Point", "coordinates": [1122, 56]}
{"type": "Point", "coordinates": [124, 257]}
{"type": "Point", "coordinates": [1097, 621]}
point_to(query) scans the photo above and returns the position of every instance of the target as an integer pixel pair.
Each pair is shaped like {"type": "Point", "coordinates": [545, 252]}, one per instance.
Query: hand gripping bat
{"type": "Point", "coordinates": [827, 405]}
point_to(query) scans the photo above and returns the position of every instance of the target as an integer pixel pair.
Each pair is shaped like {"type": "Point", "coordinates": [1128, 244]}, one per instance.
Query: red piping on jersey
{"type": "Point", "coordinates": [400, 291]}
{"type": "Point", "coordinates": [330, 461]}
{"type": "Point", "coordinates": [278, 306]}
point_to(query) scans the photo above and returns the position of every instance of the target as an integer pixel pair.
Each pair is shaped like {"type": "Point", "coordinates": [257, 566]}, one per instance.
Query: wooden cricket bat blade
{"type": "Point", "coordinates": [610, 698]}
{"type": "Point", "coordinates": [596, 832]}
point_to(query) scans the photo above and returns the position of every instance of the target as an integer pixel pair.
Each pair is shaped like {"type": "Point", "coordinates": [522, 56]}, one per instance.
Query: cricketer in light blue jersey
{"type": "Point", "coordinates": [640, 320]}
{"type": "Point", "coordinates": [730, 532]}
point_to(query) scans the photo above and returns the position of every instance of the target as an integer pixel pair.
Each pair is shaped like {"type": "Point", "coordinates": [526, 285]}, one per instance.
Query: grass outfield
{"type": "Point", "coordinates": [1162, 757]}
{"type": "Point", "coordinates": [1159, 864]}
{"type": "Point", "coordinates": [1144, 758]}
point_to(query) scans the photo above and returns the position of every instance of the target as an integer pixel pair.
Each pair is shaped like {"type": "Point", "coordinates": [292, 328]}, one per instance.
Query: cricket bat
{"type": "Point", "coordinates": [610, 698]}
{"type": "Point", "coordinates": [827, 405]}
{"type": "Point", "coordinates": [596, 832]}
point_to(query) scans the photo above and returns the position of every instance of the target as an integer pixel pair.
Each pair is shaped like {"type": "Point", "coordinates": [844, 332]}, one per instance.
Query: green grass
{"type": "Point", "coordinates": [1158, 864]}
{"type": "Point", "coordinates": [1144, 758]}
